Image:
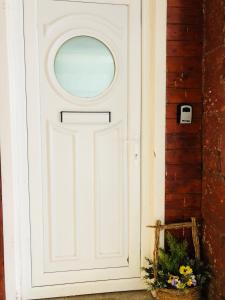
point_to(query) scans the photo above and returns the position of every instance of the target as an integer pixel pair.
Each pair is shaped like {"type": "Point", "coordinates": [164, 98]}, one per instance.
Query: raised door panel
{"type": "Point", "coordinates": [62, 208]}
{"type": "Point", "coordinates": [111, 195]}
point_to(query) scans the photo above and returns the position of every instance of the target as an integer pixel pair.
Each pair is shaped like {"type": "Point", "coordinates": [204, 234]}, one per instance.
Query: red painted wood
{"type": "Point", "coordinates": [183, 141]}
{"type": "Point", "coordinates": [178, 95]}
{"type": "Point", "coordinates": [190, 201]}
{"type": "Point", "coordinates": [185, 3]}
{"type": "Point", "coordinates": [183, 156]}
{"type": "Point", "coordinates": [185, 171]}
{"type": "Point", "coordinates": [184, 186]}
{"type": "Point", "coordinates": [184, 48]}
{"type": "Point", "coordinates": [173, 127]}
{"type": "Point", "coordinates": [179, 32]}
{"type": "Point", "coordinates": [184, 64]}
{"type": "Point", "coordinates": [184, 80]}
{"type": "Point", "coordinates": [180, 215]}
{"type": "Point", "coordinates": [180, 15]}
{"type": "Point", "coordinates": [184, 85]}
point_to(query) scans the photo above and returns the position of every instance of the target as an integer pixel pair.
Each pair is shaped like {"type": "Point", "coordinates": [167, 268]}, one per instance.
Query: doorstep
{"type": "Point", "coordinates": [137, 295]}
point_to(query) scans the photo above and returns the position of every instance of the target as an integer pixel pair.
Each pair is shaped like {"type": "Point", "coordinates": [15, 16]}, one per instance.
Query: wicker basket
{"type": "Point", "coordinates": [190, 294]}
{"type": "Point", "coordinates": [170, 294]}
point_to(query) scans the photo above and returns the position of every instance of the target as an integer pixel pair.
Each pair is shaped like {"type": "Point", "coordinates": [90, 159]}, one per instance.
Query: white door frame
{"type": "Point", "coordinates": [14, 140]}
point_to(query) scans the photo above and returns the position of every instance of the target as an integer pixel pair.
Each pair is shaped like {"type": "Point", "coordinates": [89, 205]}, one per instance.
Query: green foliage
{"type": "Point", "coordinates": [175, 269]}
{"type": "Point", "coordinates": [201, 270]}
{"type": "Point", "coordinates": [170, 260]}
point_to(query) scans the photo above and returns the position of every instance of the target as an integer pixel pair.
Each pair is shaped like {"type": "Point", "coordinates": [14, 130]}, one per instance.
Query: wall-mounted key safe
{"type": "Point", "coordinates": [184, 114]}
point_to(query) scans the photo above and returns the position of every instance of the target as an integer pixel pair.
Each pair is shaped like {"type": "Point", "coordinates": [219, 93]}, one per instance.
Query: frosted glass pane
{"type": "Point", "coordinates": [84, 66]}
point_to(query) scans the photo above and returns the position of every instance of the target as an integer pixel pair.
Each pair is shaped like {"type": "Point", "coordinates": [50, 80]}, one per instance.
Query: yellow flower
{"type": "Point", "coordinates": [170, 279]}
{"type": "Point", "coordinates": [189, 283]}
{"type": "Point", "coordinates": [185, 270]}
{"type": "Point", "coordinates": [181, 285]}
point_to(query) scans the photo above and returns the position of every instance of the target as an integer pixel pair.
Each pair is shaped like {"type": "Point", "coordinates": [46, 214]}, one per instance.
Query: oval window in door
{"type": "Point", "coordinates": [84, 66]}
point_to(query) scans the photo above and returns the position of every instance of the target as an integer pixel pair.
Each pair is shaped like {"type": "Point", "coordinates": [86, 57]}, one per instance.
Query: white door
{"type": "Point", "coordinates": [83, 82]}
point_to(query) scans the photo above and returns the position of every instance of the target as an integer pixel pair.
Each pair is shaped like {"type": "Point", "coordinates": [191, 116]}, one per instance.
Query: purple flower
{"type": "Point", "coordinates": [174, 281]}
{"type": "Point", "coordinates": [194, 282]}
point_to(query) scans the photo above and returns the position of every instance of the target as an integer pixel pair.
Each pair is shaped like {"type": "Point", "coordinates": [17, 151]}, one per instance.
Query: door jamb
{"type": "Point", "coordinates": [13, 127]}
{"type": "Point", "coordinates": [154, 30]}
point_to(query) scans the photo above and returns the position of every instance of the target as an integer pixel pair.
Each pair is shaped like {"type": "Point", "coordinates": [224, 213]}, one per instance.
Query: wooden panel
{"type": "Point", "coordinates": [184, 48]}
{"type": "Point", "coordinates": [187, 200]}
{"type": "Point", "coordinates": [184, 80]}
{"type": "Point", "coordinates": [184, 64]}
{"type": "Point", "coordinates": [183, 171]}
{"type": "Point", "coordinates": [183, 156]}
{"type": "Point", "coordinates": [184, 186]}
{"type": "Point", "coordinates": [175, 95]}
{"type": "Point", "coordinates": [181, 215]}
{"type": "Point", "coordinates": [184, 85]}
{"type": "Point", "coordinates": [185, 3]}
{"type": "Point", "coordinates": [174, 215]}
{"type": "Point", "coordinates": [180, 15]}
{"type": "Point", "coordinates": [179, 32]}
{"type": "Point", "coordinates": [181, 141]}
{"type": "Point", "coordinates": [173, 127]}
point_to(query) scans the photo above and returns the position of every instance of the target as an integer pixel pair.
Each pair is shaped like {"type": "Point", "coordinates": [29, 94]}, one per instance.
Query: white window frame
{"type": "Point", "coordinates": [13, 138]}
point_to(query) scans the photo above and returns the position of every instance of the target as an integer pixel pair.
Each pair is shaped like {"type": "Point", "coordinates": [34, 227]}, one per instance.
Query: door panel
{"type": "Point", "coordinates": [83, 152]}
{"type": "Point", "coordinates": [111, 209]}
{"type": "Point", "coordinates": [62, 195]}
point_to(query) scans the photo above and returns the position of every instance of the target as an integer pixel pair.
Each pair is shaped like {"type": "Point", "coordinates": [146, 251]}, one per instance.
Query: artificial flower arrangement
{"type": "Point", "coordinates": [176, 272]}
{"type": "Point", "coordinates": [185, 279]}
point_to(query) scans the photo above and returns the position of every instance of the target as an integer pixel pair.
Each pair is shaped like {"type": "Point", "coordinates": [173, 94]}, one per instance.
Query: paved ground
{"type": "Point", "coordinates": [113, 296]}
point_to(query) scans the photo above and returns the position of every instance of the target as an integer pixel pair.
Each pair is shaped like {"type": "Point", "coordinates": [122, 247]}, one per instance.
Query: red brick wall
{"type": "Point", "coordinates": [184, 85]}
{"type": "Point", "coordinates": [213, 202]}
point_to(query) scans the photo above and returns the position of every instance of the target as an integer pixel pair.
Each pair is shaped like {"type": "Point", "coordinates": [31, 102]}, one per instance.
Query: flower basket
{"type": "Point", "coordinates": [192, 293]}
{"type": "Point", "coordinates": [167, 294]}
